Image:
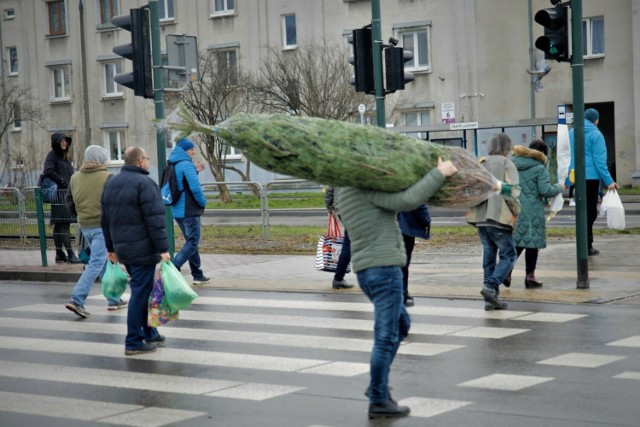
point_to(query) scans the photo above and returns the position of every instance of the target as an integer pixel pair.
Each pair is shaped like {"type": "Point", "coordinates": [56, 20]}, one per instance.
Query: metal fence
{"type": "Point", "coordinates": [26, 222]}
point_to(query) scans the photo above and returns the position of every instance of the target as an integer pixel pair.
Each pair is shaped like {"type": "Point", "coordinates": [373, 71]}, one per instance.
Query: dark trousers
{"type": "Point", "coordinates": [593, 191]}
{"type": "Point", "coordinates": [344, 259]}
{"type": "Point", "coordinates": [409, 243]}
{"type": "Point", "coordinates": [530, 258]}
{"type": "Point", "coordinates": [137, 315]}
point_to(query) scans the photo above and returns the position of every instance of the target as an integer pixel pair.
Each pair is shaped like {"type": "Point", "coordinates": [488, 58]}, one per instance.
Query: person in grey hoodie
{"type": "Point", "coordinates": [377, 256]}
{"type": "Point", "coordinates": [495, 220]}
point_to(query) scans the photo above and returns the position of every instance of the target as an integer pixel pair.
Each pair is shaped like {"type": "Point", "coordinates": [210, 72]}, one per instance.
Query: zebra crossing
{"type": "Point", "coordinates": [241, 358]}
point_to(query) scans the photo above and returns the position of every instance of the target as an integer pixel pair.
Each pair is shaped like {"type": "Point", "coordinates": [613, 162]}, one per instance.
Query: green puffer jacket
{"type": "Point", "coordinates": [535, 186]}
{"type": "Point", "coordinates": [370, 217]}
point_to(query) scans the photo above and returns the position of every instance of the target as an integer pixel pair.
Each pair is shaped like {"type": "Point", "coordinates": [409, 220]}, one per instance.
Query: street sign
{"type": "Point", "coordinates": [182, 52]}
{"type": "Point", "coordinates": [562, 114]}
{"type": "Point", "coordinates": [463, 126]}
{"type": "Point", "coordinates": [361, 108]}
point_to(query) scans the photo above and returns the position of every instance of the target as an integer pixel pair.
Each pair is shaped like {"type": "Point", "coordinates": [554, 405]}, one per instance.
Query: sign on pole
{"type": "Point", "coordinates": [448, 112]}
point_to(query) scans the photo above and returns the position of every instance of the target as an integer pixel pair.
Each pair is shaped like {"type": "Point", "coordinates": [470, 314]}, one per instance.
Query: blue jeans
{"type": "Point", "coordinates": [496, 243]}
{"type": "Point", "coordinates": [94, 268]}
{"type": "Point", "coordinates": [190, 228]}
{"type": "Point", "coordinates": [141, 284]}
{"type": "Point", "coordinates": [383, 287]}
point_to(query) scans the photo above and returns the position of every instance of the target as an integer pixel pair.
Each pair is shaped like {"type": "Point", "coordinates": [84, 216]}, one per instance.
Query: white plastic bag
{"type": "Point", "coordinates": [612, 206]}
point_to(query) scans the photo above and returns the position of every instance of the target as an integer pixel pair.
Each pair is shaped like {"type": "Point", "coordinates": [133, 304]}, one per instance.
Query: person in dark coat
{"type": "Point", "coordinates": [415, 223]}
{"type": "Point", "coordinates": [535, 186]}
{"type": "Point", "coordinates": [57, 167]}
{"type": "Point", "coordinates": [135, 235]}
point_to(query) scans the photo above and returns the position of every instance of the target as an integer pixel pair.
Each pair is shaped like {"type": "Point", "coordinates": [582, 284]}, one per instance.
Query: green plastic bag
{"type": "Point", "coordinates": [114, 281]}
{"type": "Point", "coordinates": [177, 291]}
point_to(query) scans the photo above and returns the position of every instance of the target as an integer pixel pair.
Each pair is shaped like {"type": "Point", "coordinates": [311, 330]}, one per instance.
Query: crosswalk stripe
{"type": "Point", "coordinates": [197, 357]}
{"type": "Point", "coordinates": [417, 328]}
{"type": "Point", "coordinates": [422, 407]}
{"type": "Point", "coordinates": [91, 410]}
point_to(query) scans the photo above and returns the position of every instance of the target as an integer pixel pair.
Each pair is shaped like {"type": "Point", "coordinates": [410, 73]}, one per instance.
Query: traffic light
{"type": "Point", "coordinates": [138, 51]}
{"type": "Point", "coordinates": [555, 42]}
{"type": "Point", "coordinates": [362, 60]}
{"type": "Point", "coordinates": [394, 59]}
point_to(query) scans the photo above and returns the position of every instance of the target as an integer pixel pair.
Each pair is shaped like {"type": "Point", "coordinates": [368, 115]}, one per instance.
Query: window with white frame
{"type": "Point", "coordinates": [12, 54]}
{"type": "Point", "coordinates": [227, 64]}
{"type": "Point", "coordinates": [107, 9]}
{"type": "Point", "coordinates": [9, 13]}
{"type": "Point", "coordinates": [56, 9]}
{"type": "Point", "coordinates": [289, 33]}
{"type": "Point", "coordinates": [230, 153]}
{"type": "Point", "coordinates": [417, 118]}
{"type": "Point", "coordinates": [416, 37]}
{"type": "Point", "coordinates": [222, 7]}
{"type": "Point", "coordinates": [111, 88]}
{"type": "Point", "coordinates": [165, 10]}
{"type": "Point", "coordinates": [593, 37]}
{"type": "Point", "coordinates": [115, 144]}
{"type": "Point", "coordinates": [60, 89]}
{"type": "Point", "coordinates": [17, 120]}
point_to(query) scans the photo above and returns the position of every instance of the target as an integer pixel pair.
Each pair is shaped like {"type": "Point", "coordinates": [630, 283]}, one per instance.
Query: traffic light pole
{"type": "Point", "coordinates": [158, 87]}
{"type": "Point", "coordinates": [577, 67]}
{"type": "Point", "coordinates": [376, 33]}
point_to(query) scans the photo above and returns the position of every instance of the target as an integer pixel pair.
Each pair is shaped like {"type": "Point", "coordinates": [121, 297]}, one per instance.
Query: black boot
{"type": "Point", "coordinates": [61, 258]}
{"type": "Point", "coordinates": [387, 409]}
{"type": "Point", "coordinates": [72, 258]}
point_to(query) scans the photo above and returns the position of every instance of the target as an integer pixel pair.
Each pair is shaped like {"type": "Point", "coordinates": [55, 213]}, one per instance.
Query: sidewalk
{"type": "Point", "coordinates": [613, 275]}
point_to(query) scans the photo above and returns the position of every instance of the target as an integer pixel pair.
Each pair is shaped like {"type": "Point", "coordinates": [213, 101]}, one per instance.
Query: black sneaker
{"type": "Point", "coordinates": [341, 284]}
{"type": "Point", "coordinates": [117, 306]}
{"type": "Point", "coordinates": [387, 409]}
{"type": "Point", "coordinates": [593, 251]}
{"type": "Point", "coordinates": [159, 341]}
{"type": "Point", "coordinates": [77, 309]}
{"type": "Point", "coordinates": [144, 349]}
{"type": "Point", "coordinates": [202, 280]}
{"type": "Point", "coordinates": [73, 259]}
{"type": "Point", "coordinates": [409, 302]}
{"type": "Point", "coordinates": [491, 297]}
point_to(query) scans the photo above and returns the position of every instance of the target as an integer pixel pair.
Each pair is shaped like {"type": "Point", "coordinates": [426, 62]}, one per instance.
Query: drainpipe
{"type": "Point", "coordinates": [531, 67]}
{"type": "Point", "coordinates": [5, 136]}
{"type": "Point", "coordinates": [85, 88]}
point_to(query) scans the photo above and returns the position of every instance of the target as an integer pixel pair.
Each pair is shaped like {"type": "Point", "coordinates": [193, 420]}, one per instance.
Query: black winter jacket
{"type": "Point", "coordinates": [133, 220]}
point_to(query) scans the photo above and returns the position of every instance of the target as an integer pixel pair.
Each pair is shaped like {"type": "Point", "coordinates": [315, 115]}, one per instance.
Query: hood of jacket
{"type": "Point", "coordinates": [179, 155]}
{"type": "Point", "coordinates": [92, 167]}
{"type": "Point", "coordinates": [56, 140]}
{"type": "Point", "coordinates": [525, 158]}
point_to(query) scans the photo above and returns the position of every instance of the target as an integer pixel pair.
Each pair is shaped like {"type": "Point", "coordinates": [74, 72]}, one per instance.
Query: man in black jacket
{"type": "Point", "coordinates": [134, 230]}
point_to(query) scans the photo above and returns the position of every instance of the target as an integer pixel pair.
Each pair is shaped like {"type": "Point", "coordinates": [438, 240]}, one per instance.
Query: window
{"type": "Point", "coordinates": [222, 7]}
{"type": "Point", "coordinates": [227, 66]}
{"type": "Point", "coordinates": [416, 37]}
{"type": "Point", "coordinates": [593, 36]}
{"type": "Point", "coordinates": [115, 144]}
{"type": "Point", "coordinates": [417, 118]}
{"type": "Point", "coordinates": [60, 89]}
{"type": "Point", "coordinates": [289, 36]}
{"type": "Point", "coordinates": [12, 53]}
{"type": "Point", "coordinates": [9, 14]}
{"type": "Point", "coordinates": [111, 88]}
{"type": "Point", "coordinates": [17, 120]}
{"type": "Point", "coordinates": [108, 9]}
{"type": "Point", "coordinates": [230, 153]}
{"type": "Point", "coordinates": [57, 17]}
{"type": "Point", "coordinates": [165, 10]}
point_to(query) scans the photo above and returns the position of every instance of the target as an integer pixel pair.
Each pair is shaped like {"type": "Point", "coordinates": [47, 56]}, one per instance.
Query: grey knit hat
{"type": "Point", "coordinates": [96, 154]}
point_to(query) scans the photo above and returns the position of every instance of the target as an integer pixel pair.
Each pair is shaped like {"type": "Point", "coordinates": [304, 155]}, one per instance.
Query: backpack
{"type": "Point", "coordinates": [169, 187]}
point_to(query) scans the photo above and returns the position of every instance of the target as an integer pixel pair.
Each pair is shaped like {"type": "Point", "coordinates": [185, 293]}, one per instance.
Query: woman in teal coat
{"type": "Point", "coordinates": [535, 187]}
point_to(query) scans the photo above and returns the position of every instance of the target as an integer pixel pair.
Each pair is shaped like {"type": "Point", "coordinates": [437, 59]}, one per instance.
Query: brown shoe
{"type": "Point", "coordinates": [530, 282]}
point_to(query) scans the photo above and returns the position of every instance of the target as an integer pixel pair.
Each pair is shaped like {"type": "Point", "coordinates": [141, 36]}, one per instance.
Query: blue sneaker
{"type": "Point", "coordinates": [143, 349]}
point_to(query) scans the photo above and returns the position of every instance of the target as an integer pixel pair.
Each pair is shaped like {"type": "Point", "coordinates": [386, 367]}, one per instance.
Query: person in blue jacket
{"type": "Point", "coordinates": [415, 223]}
{"type": "Point", "coordinates": [189, 208]}
{"type": "Point", "coordinates": [595, 151]}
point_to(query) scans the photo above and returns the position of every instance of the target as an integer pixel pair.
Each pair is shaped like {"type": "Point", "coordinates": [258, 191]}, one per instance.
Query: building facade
{"type": "Point", "coordinates": [472, 63]}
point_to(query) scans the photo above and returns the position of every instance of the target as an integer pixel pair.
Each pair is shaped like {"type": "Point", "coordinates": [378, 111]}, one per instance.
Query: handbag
{"type": "Point", "coordinates": [612, 206]}
{"type": "Point", "coordinates": [159, 313]}
{"type": "Point", "coordinates": [48, 189]}
{"type": "Point", "coordinates": [329, 247]}
{"type": "Point", "coordinates": [114, 281]}
{"type": "Point", "coordinates": [177, 291]}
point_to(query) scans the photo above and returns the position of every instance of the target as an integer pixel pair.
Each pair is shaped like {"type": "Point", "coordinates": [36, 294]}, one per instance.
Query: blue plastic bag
{"type": "Point", "coordinates": [114, 281]}
{"type": "Point", "coordinates": [177, 290]}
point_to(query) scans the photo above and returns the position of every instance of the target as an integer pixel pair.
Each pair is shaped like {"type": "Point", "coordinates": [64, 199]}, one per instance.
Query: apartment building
{"type": "Point", "coordinates": [472, 63]}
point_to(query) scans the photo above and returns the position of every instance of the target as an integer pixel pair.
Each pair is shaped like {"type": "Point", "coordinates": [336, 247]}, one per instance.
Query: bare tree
{"type": "Point", "coordinates": [17, 108]}
{"type": "Point", "coordinates": [312, 80]}
{"type": "Point", "coordinates": [212, 99]}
